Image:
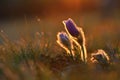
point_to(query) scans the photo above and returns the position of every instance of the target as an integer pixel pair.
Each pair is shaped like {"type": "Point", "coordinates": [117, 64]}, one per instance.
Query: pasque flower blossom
{"type": "Point", "coordinates": [77, 35]}
{"type": "Point", "coordinates": [71, 27]}
{"type": "Point", "coordinates": [64, 41]}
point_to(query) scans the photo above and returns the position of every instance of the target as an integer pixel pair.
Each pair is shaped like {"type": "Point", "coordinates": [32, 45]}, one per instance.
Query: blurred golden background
{"type": "Point", "coordinates": [99, 18]}
{"type": "Point", "coordinates": [43, 7]}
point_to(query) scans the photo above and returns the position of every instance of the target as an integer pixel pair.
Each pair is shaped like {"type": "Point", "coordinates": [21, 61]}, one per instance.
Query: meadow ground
{"type": "Point", "coordinates": [28, 49]}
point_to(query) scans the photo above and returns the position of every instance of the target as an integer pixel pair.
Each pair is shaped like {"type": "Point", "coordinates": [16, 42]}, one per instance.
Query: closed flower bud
{"type": "Point", "coordinates": [64, 41]}
{"type": "Point", "coordinates": [77, 36]}
{"type": "Point", "coordinates": [71, 27]}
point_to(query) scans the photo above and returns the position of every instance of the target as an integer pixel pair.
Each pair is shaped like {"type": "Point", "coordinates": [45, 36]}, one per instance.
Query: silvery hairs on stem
{"type": "Point", "coordinates": [100, 57]}
{"type": "Point", "coordinates": [64, 41]}
{"type": "Point", "coordinates": [77, 36]}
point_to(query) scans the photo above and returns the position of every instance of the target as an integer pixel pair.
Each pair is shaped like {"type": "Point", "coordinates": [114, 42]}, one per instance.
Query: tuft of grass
{"type": "Point", "coordinates": [25, 59]}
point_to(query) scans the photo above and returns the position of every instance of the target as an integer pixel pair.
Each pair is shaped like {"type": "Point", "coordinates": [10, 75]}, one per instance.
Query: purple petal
{"type": "Point", "coordinates": [71, 27]}
{"type": "Point", "coordinates": [64, 39]}
{"type": "Point", "coordinates": [63, 36]}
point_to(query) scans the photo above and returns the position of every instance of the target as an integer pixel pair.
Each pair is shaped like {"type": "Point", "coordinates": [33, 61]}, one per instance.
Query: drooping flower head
{"type": "Point", "coordinates": [100, 57]}
{"type": "Point", "coordinates": [64, 41]}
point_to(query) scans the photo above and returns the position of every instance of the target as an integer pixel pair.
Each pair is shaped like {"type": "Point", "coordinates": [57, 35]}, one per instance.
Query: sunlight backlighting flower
{"type": "Point", "coordinates": [71, 27]}
{"type": "Point", "coordinates": [100, 57]}
{"type": "Point", "coordinates": [64, 41]}
{"type": "Point", "coordinates": [77, 36]}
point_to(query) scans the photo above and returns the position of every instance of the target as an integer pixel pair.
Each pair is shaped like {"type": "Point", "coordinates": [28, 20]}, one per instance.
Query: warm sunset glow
{"type": "Point", "coordinates": [59, 39]}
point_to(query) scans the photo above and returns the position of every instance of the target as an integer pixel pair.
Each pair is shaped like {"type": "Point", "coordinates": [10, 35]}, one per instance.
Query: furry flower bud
{"type": "Point", "coordinates": [71, 27]}
{"type": "Point", "coordinates": [64, 41]}
{"type": "Point", "coordinates": [100, 57]}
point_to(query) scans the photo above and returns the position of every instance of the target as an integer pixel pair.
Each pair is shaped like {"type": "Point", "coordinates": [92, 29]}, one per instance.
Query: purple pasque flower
{"type": "Point", "coordinates": [71, 27]}
{"type": "Point", "coordinates": [64, 41]}
{"type": "Point", "coordinates": [77, 35]}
